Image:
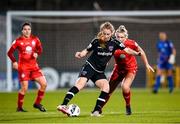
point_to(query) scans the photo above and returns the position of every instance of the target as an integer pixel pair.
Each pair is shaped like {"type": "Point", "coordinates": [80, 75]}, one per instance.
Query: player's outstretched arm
{"type": "Point", "coordinates": [145, 60]}
{"type": "Point", "coordinates": [132, 52]}
{"type": "Point", "coordinates": [81, 54]}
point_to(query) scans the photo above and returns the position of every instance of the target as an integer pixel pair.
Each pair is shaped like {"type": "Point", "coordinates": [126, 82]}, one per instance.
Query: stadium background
{"type": "Point", "coordinates": [60, 41]}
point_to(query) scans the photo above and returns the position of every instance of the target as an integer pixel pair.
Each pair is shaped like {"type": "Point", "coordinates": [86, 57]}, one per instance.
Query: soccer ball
{"type": "Point", "coordinates": [73, 110]}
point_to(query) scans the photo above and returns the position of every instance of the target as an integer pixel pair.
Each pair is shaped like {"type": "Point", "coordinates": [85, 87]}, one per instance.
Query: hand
{"type": "Point", "coordinates": [35, 55]}
{"type": "Point", "coordinates": [78, 55]}
{"type": "Point", "coordinates": [15, 65]}
{"type": "Point", "coordinates": [139, 53]}
{"type": "Point", "coordinates": [171, 59]}
{"type": "Point", "coordinates": [150, 68]}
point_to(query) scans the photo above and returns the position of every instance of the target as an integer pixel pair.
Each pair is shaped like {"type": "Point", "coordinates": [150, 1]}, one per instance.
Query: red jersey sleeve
{"type": "Point", "coordinates": [38, 46]}
{"type": "Point", "coordinates": [10, 52]}
{"type": "Point", "coordinates": [136, 46]}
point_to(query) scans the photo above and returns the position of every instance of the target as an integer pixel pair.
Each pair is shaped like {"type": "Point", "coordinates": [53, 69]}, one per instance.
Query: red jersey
{"type": "Point", "coordinates": [125, 61]}
{"type": "Point", "coordinates": [26, 48]}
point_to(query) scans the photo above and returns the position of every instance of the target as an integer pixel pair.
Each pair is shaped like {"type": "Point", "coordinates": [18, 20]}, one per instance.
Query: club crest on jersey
{"type": "Point", "coordinates": [122, 56]}
{"type": "Point", "coordinates": [111, 48]}
{"type": "Point", "coordinates": [33, 43]}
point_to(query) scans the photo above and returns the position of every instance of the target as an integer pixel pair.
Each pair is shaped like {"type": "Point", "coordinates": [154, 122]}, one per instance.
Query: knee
{"type": "Point", "coordinates": [105, 87]}
{"type": "Point", "coordinates": [23, 90]}
{"type": "Point", "coordinates": [44, 85]}
{"type": "Point", "coordinates": [125, 88]}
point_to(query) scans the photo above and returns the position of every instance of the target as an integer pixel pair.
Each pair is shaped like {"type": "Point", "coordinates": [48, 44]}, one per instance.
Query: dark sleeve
{"type": "Point", "coordinates": [91, 46]}
{"type": "Point", "coordinates": [39, 47]}
{"type": "Point", "coordinates": [119, 44]}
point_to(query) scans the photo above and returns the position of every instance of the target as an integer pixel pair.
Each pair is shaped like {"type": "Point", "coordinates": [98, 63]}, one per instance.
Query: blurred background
{"type": "Point", "coordinates": [62, 36]}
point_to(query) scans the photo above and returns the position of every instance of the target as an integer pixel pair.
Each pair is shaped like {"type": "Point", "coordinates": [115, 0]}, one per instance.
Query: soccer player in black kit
{"type": "Point", "coordinates": [102, 48]}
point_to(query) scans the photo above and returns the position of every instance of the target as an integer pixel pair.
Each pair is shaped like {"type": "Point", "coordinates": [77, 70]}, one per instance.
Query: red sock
{"type": "Point", "coordinates": [39, 97]}
{"type": "Point", "coordinates": [20, 100]}
{"type": "Point", "coordinates": [127, 98]}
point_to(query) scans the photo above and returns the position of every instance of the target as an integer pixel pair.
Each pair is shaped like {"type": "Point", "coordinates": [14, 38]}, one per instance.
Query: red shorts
{"type": "Point", "coordinates": [26, 75]}
{"type": "Point", "coordinates": [117, 77]}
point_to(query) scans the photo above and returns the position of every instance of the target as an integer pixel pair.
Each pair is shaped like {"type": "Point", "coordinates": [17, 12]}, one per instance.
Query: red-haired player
{"type": "Point", "coordinates": [29, 48]}
{"type": "Point", "coordinates": [125, 67]}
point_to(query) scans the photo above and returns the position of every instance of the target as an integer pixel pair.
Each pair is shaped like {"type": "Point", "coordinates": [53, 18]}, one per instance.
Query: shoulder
{"type": "Point", "coordinates": [170, 43]}
{"type": "Point", "coordinates": [114, 40]}
{"type": "Point", "coordinates": [35, 38]}
{"type": "Point", "coordinates": [130, 41]}
{"type": "Point", "coordinates": [94, 41]}
{"type": "Point", "coordinates": [17, 40]}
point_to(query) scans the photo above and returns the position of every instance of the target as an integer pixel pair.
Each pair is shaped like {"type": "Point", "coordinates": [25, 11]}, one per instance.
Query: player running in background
{"type": "Point", "coordinates": [102, 49]}
{"type": "Point", "coordinates": [166, 59]}
{"type": "Point", "coordinates": [29, 48]}
{"type": "Point", "coordinates": [125, 67]}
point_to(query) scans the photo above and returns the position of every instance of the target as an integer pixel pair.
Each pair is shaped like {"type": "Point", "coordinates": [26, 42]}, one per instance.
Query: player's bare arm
{"type": "Point", "coordinates": [81, 54]}
{"type": "Point", "coordinates": [132, 52]}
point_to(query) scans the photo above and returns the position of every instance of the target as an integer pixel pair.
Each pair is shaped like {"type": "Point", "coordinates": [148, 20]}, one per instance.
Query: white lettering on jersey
{"type": "Point", "coordinates": [105, 54]}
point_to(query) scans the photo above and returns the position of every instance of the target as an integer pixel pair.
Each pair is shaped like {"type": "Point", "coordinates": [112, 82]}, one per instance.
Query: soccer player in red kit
{"type": "Point", "coordinates": [125, 67]}
{"type": "Point", "coordinates": [29, 48]}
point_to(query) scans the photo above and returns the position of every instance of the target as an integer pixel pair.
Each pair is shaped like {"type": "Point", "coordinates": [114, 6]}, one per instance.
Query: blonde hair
{"type": "Point", "coordinates": [122, 29]}
{"type": "Point", "coordinates": [107, 25]}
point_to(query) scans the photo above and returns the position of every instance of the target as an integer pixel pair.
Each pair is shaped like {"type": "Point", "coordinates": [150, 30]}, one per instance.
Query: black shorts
{"type": "Point", "coordinates": [88, 72]}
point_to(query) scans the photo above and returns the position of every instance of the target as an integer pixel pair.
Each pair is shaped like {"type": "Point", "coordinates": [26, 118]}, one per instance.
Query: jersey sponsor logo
{"type": "Point", "coordinates": [105, 54]}
{"type": "Point", "coordinates": [22, 43]}
{"type": "Point", "coordinates": [28, 49]}
{"type": "Point", "coordinates": [111, 48]}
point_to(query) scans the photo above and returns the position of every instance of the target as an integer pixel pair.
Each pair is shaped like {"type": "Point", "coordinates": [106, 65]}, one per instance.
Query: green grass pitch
{"type": "Point", "coordinates": [146, 107]}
